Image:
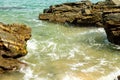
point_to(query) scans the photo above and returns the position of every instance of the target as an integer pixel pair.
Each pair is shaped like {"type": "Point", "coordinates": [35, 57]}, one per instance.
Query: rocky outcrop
{"type": "Point", "coordinates": [82, 13]}
{"type": "Point", "coordinates": [112, 26]}
{"type": "Point", "coordinates": [13, 38]}
{"type": "Point", "coordinates": [75, 13]}
{"type": "Point", "coordinates": [85, 13]}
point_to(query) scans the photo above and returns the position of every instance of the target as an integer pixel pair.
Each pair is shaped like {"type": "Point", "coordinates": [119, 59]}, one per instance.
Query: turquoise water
{"type": "Point", "coordinates": [60, 52]}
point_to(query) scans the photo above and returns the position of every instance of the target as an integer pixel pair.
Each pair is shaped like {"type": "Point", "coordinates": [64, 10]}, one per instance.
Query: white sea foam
{"type": "Point", "coordinates": [92, 31]}
{"type": "Point", "coordinates": [72, 52]}
{"type": "Point", "coordinates": [54, 56]}
{"type": "Point", "coordinates": [87, 58]}
{"type": "Point", "coordinates": [103, 61]}
{"type": "Point", "coordinates": [97, 67]}
{"type": "Point", "coordinates": [69, 76]}
{"type": "Point", "coordinates": [31, 47]}
{"type": "Point", "coordinates": [101, 30]}
{"type": "Point", "coordinates": [116, 47]}
{"type": "Point", "coordinates": [111, 76]}
{"type": "Point", "coordinates": [29, 74]}
{"type": "Point", "coordinates": [49, 44]}
{"type": "Point", "coordinates": [32, 44]}
{"type": "Point", "coordinates": [36, 20]}
{"type": "Point", "coordinates": [91, 69]}
{"type": "Point", "coordinates": [52, 44]}
{"type": "Point", "coordinates": [75, 66]}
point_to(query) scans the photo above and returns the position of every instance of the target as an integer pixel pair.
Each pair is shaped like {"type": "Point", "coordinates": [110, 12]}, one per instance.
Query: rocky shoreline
{"type": "Point", "coordinates": [85, 13]}
{"type": "Point", "coordinates": [13, 38]}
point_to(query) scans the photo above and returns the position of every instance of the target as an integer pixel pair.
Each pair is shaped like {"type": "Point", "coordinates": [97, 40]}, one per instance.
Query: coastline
{"type": "Point", "coordinates": [59, 52]}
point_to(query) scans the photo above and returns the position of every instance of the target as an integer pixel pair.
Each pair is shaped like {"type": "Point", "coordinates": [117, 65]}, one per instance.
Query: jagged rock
{"type": "Point", "coordinates": [112, 26]}
{"type": "Point", "coordinates": [13, 38]}
{"type": "Point", "coordinates": [74, 13]}
{"type": "Point", "coordinates": [82, 13]}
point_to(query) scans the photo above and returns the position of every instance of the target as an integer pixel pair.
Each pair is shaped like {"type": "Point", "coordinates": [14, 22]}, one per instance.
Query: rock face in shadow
{"type": "Point", "coordinates": [85, 13]}
{"type": "Point", "coordinates": [112, 26]}
{"type": "Point", "coordinates": [13, 38]}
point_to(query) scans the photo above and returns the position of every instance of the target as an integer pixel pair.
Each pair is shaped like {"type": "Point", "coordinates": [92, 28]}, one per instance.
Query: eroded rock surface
{"type": "Point", "coordinates": [13, 38]}
{"type": "Point", "coordinates": [82, 13]}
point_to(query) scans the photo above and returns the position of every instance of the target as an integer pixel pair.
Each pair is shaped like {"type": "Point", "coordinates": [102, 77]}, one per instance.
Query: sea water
{"type": "Point", "coordinates": [57, 51]}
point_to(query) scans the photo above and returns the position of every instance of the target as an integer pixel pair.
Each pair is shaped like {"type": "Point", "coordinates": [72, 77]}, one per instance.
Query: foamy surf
{"type": "Point", "coordinates": [32, 44]}
{"type": "Point", "coordinates": [112, 76]}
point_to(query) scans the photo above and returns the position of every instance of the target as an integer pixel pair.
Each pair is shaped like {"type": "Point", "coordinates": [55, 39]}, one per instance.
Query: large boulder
{"type": "Point", "coordinates": [13, 38]}
{"type": "Point", "coordinates": [112, 26]}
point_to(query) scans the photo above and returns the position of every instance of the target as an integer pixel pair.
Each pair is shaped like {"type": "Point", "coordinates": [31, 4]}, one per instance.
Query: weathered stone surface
{"type": "Point", "coordinates": [112, 26]}
{"type": "Point", "coordinates": [13, 38]}
{"type": "Point", "coordinates": [74, 13]}
{"type": "Point", "coordinates": [82, 13]}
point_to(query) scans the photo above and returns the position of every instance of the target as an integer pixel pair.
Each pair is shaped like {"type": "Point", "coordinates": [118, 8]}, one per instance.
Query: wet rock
{"type": "Point", "coordinates": [13, 38]}
{"type": "Point", "coordinates": [112, 26]}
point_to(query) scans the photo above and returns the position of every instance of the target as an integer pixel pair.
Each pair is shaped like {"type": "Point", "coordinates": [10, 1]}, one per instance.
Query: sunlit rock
{"type": "Point", "coordinates": [82, 13]}
{"type": "Point", "coordinates": [13, 38]}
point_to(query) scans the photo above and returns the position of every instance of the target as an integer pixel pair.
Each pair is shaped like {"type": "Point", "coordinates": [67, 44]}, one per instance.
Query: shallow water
{"type": "Point", "coordinates": [60, 52]}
